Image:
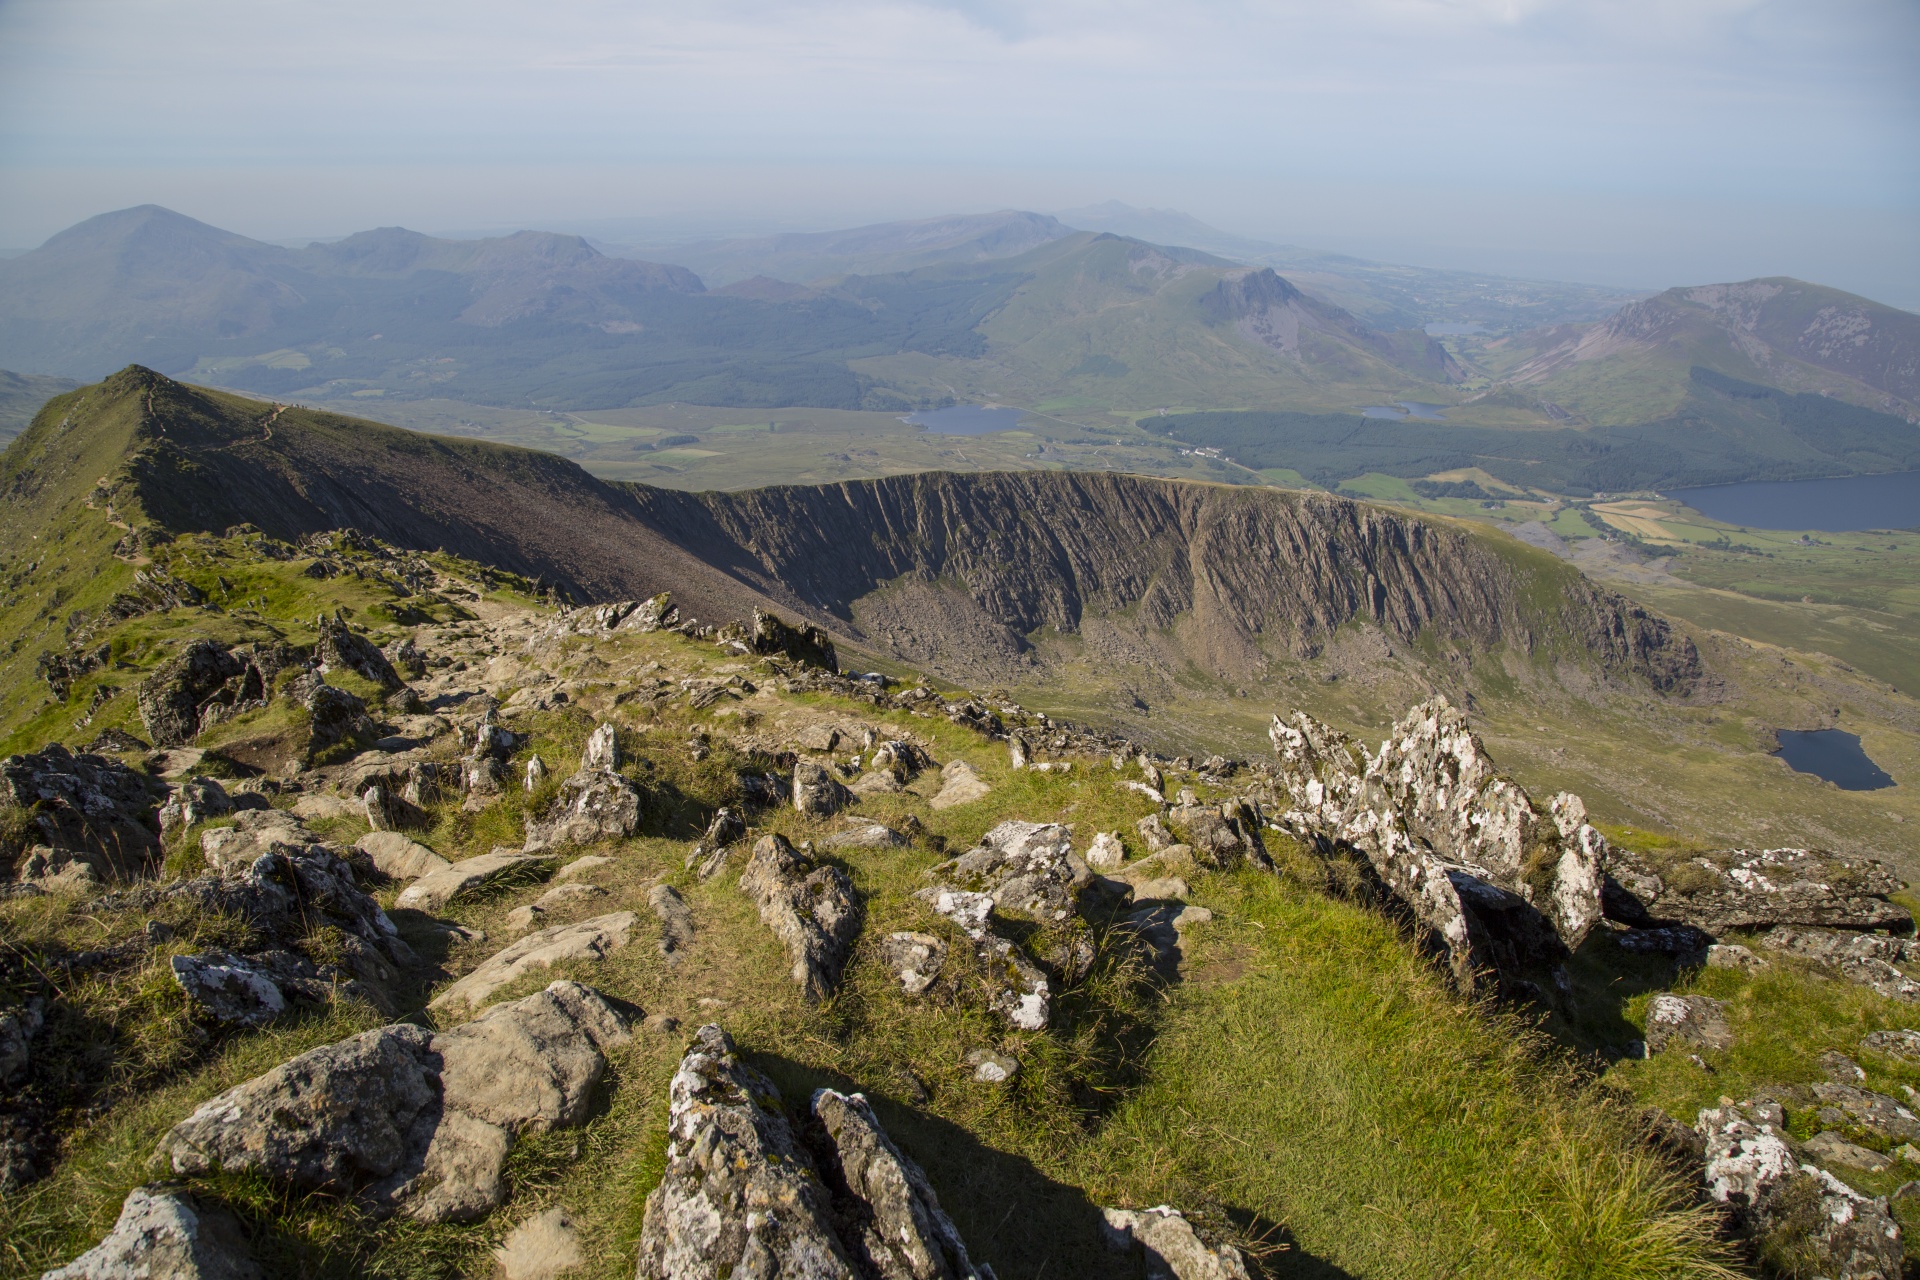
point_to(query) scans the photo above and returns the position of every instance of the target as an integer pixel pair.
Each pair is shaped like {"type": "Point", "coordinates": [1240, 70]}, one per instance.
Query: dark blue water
{"type": "Point", "coordinates": [1842, 505]}
{"type": "Point", "coordinates": [1404, 410]}
{"type": "Point", "coordinates": [967, 420]}
{"type": "Point", "coordinates": [1833, 755]}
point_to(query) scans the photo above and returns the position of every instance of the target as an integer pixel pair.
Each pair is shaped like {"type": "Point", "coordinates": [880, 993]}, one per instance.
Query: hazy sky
{"type": "Point", "coordinates": [1644, 142]}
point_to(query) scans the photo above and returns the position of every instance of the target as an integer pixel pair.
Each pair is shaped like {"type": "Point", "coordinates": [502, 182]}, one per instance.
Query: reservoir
{"type": "Point", "coordinates": [1405, 410]}
{"type": "Point", "coordinates": [1844, 504]}
{"type": "Point", "coordinates": [1833, 755]}
{"type": "Point", "coordinates": [967, 420]}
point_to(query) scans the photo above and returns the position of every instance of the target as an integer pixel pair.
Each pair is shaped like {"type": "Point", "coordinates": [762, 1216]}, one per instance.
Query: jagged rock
{"type": "Point", "coordinates": [248, 991]}
{"type": "Point", "coordinates": [593, 804]}
{"type": "Point", "coordinates": [1749, 889]}
{"type": "Point", "coordinates": [1845, 1104]}
{"type": "Point", "coordinates": [339, 646]}
{"type": "Point", "coordinates": [1795, 1207]}
{"type": "Point", "coordinates": [396, 856]}
{"type": "Point", "coordinates": [1901, 1043]}
{"type": "Point", "coordinates": [1017, 989]}
{"type": "Point", "coordinates": [1029, 868]}
{"type": "Point", "coordinates": [961, 786]}
{"type": "Point", "coordinates": [543, 1247]}
{"type": "Point", "coordinates": [1154, 833]}
{"type": "Point", "coordinates": [1865, 958]}
{"type": "Point", "coordinates": [385, 810]}
{"type": "Point", "coordinates": [709, 853]}
{"type": "Point", "coordinates": [816, 791]}
{"type": "Point", "coordinates": [1731, 955]}
{"type": "Point", "coordinates": [1170, 1246]}
{"type": "Point", "coordinates": [888, 1215]}
{"type": "Point", "coordinates": [676, 921]}
{"type": "Point", "coordinates": [584, 940]}
{"type": "Point", "coordinates": [192, 803]}
{"type": "Point", "coordinates": [85, 809]}
{"type": "Point", "coordinates": [18, 1026]}
{"type": "Point", "coordinates": [915, 959]}
{"type": "Point", "coordinates": [164, 1234]}
{"type": "Point", "coordinates": [407, 1119]}
{"type": "Point", "coordinates": [805, 643]}
{"type": "Point", "coordinates": [1829, 1148]}
{"type": "Point", "coordinates": [437, 888]}
{"type": "Point", "coordinates": [254, 832]}
{"type": "Point", "coordinates": [739, 1195]}
{"type": "Point", "coordinates": [170, 699]}
{"type": "Point", "coordinates": [536, 773]}
{"type": "Point", "coordinates": [602, 750]}
{"type": "Point", "coordinates": [863, 833]}
{"type": "Point", "coordinates": [334, 716]}
{"type": "Point", "coordinates": [1500, 885]}
{"type": "Point", "coordinates": [1698, 1022]}
{"type": "Point", "coordinates": [1221, 835]}
{"type": "Point", "coordinates": [1106, 853]}
{"type": "Point", "coordinates": [811, 909]}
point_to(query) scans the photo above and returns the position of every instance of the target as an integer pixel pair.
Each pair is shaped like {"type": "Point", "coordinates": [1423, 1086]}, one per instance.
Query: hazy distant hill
{"type": "Point", "coordinates": [881, 249]}
{"type": "Point", "coordinates": [549, 320]}
{"type": "Point", "coordinates": [1784, 333]}
{"type": "Point", "coordinates": [21, 396]}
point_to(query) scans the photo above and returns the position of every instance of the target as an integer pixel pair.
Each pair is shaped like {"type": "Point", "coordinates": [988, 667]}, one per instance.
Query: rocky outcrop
{"type": "Point", "coordinates": [1501, 886]}
{"type": "Point", "coordinates": [1170, 1247]}
{"type": "Point", "coordinates": [1755, 889]}
{"type": "Point", "coordinates": [165, 1234]}
{"type": "Point", "coordinates": [1698, 1022]}
{"type": "Point", "coordinates": [585, 940]}
{"type": "Point", "coordinates": [816, 791]}
{"type": "Point", "coordinates": [405, 1119]}
{"type": "Point", "coordinates": [340, 646]}
{"type": "Point", "coordinates": [1221, 835]}
{"type": "Point", "coordinates": [743, 1195]}
{"type": "Point", "coordinates": [596, 803]}
{"type": "Point", "coordinates": [811, 909]}
{"type": "Point", "coordinates": [1865, 958]}
{"type": "Point", "coordinates": [81, 810]}
{"type": "Point", "coordinates": [1795, 1209]}
{"type": "Point", "coordinates": [804, 643]}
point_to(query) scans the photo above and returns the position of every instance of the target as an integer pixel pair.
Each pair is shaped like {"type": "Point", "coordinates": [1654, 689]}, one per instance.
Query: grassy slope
{"type": "Point", "coordinates": [1369, 1121]}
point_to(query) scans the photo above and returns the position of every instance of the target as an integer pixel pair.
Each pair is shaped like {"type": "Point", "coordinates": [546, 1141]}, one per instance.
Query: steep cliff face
{"type": "Point", "coordinates": [1049, 550]}
{"type": "Point", "coordinates": [938, 569]}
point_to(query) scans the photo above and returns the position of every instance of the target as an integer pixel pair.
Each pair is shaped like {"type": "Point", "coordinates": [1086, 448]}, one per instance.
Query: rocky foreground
{"type": "Point", "coordinates": [346, 768]}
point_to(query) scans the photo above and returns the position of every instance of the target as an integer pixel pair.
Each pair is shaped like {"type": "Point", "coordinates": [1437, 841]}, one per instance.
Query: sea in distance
{"type": "Point", "coordinates": [1843, 504]}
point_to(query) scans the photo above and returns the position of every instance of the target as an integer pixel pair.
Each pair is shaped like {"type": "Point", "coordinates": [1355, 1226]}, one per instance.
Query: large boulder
{"type": "Point", "coordinates": [395, 856]}
{"type": "Point", "coordinates": [594, 804]}
{"type": "Point", "coordinates": [1029, 869]}
{"type": "Point", "coordinates": [805, 643]}
{"type": "Point", "coordinates": [810, 908]}
{"type": "Point", "coordinates": [170, 699]}
{"type": "Point", "coordinates": [334, 715]}
{"type": "Point", "coordinates": [745, 1195]}
{"type": "Point", "coordinates": [164, 1234]}
{"type": "Point", "coordinates": [817, 791]}
{"type": "Point", "coordinates": [340, 646]}
{"type": "Point", "coordinates": [405, 1119]}
{"type": "Point", "coordinates": [82, 809]}
{"type": "Point", "coordinates": [1501, 886]}
{"type": "Point", "coordinates": [585, 940]}
{"type": "Point", "coordinates": [1793, 1210]}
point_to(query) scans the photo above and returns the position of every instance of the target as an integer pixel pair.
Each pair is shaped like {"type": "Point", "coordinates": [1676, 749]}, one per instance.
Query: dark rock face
{"type": "Point", "coordinates": [1754, 889]}
{"type": "Point", "coordinates": [744, 1194]}
{"type": "Point", "coordinates": [170, 698]}
{"type": "Point", "coordinates": [84, 808]}
{"type": "Point", "coordinates": [804, 643]}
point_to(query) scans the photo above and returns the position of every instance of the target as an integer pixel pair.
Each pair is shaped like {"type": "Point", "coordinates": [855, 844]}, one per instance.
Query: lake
{"type": "Point", "coordinates": [1844, 504]}
{"type": "Point", "coordinates": [1404, 410]}
{"type": "Point", "coordinates": [967, 420]}
{"type": "Point", "coordinates": [1833, 755]}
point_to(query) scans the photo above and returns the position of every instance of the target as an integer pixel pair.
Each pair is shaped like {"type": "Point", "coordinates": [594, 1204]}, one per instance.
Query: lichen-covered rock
{"type": "Point", "coordinates": [1106, 853]}
{"type": "Point", "coordinates": [1029, 868]}
{"type": "Point", "coordinates": [1497, 883]}
{"type": "Point", "coordinates": [1698, 1022]}
{"type": "Point", "coordinates": [1221, 835]}
{"type": "Point", "coordinates": [1794, 1209]}
{"type": "Point", "coordinates": [811, 909]}
{"type": "Point", "coordinates": [1846, 1105]}
{"type": "Point", "coordinates": [915, 959]}
{"type": "Point", "coordinates": [171, 698]}
{"type": "Point", "coordinates": [1170, 1246]}
{"type": "Point", "coordinates": [84, 809]}
{"type": "Point", "coordinates": [739, 1196]}
{"type": "Point", "coordinates": [164, 1234]}
{"type": "Point", "coordinates": [603, 749]}
{"type": "Point", "coordinates": [1865, 958]}
{"type": "Point", "coordinates": [253, 834]}
{"type": "Point", "coordinates": [1755, 889]}
{"type": "Point", "coordinates": [340, 646]}
{"type": "Point", "coordinates": [816, 791]}
{"type": "Point", "coordinates": [1898, 1043]}
{"type": "Point", "coordinates": [334, 715]}
{"type": "Point", "coordinates": [804, 643]}
{"type": "Point", "coordinates": [863, 833]}
{"type": "Point", "coordinates": [248, 991]}
{"type": "Point", "coordinates": [889, 1218]}
{"type": "Point", "coordinates": [193, 802]}
{"type": "Point", "coordinates": [593, 804]}
{"type": "Point", "coordinates": [583, 940]}
{"type": "Point", "coordinates": [406, 1119]}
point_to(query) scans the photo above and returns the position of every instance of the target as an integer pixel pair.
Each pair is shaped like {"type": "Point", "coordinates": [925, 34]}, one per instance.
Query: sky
{"type": "Point", "coordinates": [1635, 142]}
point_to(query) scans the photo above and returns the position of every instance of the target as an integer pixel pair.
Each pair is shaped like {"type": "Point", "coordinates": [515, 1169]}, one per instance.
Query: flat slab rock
{"type": "Point", "coordinates": [743, 1195]}
{"type": "Point", "coordinates": [436, 889]}
{"type": "Point", "coordinates": [960, 785]}
{"type": "Point", "coordinates": [408, 1120]}
{"type": "Point", "coordinates": [1695, 1021]}
{"type": "Point", "coordinates": [811, 909]}
{"type": "Point", "coordinates": [164, 1234]}
{"type": "Point", "coordinates": [584, 940]}
{"type": "Point", "coordinates": [399, 857]}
